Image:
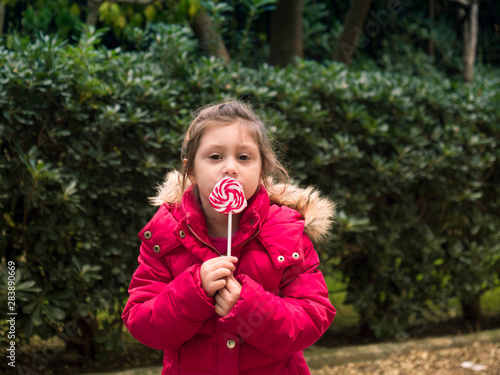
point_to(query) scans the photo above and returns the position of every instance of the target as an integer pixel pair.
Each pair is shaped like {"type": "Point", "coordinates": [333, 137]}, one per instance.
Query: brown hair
{"type": "Point", "coordinates": [274, 175]}
{"type": "Point", "coordinates": [225, 113]}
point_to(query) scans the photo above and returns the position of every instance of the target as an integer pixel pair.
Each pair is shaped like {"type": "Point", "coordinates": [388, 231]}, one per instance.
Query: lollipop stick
{"type": "Point", "coordinates": [229, 234]}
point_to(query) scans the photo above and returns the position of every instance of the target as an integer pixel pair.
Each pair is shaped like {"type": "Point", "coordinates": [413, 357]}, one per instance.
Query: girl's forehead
{"type": "Point", "coordinates": [227, 132]}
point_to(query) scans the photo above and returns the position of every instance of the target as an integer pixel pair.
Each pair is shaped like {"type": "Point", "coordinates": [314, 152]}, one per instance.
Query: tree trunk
{"type": "Point", "coordinates": [431, 17]}
{"type": "Point", "coordinates": [353, 30]}
{"type": "Point", "coordinates": [2, 17]}
{"type": "Point", "coordinates": [84, 341]}
{"type": "Point", "coordinates": [471, 310]}
{"type": "Point", "coordinates": [93, 12]}
{"type": "Point", "coordinates": [286, 41]}
{"type": "Point", "coordinates": [210, 40]}
{"type": "Point", "coordinates": [470, 31]}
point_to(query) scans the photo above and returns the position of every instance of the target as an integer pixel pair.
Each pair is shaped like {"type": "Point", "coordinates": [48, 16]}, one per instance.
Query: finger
{"type": "Point", "coordinates": [230, 259]}
{"type": "Point", "coordinates": [232, 278]}
{"type": "Point", "coordinates": [219, 300]}
{"type": "Point", "coordinates": [218, 284]}
{"type": "Point", "coordinates": [222, 264]}
{"type": "Point", "coordinates": [226, 258]}
{"type": "Point", "coordinates": [232, 285]}
{"type": "Point", "coordinates": [223, 294]}
{"type": "Point", "coordinates": [222, 258]}
{"type": "Point", "coordinates": [212, 261]}
{"type": "Point", "coordinates": [225, 306]}
{"type": "Point", "coordinates": [220, 310]}
{"type": "Point", "coordinates": [221, 273]}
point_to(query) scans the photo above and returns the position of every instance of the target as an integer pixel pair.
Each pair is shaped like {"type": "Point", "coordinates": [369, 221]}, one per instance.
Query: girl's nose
{"type": "Point", "coordinates": [230, 168]}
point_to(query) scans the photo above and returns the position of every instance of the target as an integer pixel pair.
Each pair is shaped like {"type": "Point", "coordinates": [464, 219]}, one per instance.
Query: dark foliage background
{"type": "Point", "coordinates": [87, 132]}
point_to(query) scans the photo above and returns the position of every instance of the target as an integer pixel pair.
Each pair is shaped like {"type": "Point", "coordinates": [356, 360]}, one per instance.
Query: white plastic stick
{"type": "Point", "coordinates": [229, 234]}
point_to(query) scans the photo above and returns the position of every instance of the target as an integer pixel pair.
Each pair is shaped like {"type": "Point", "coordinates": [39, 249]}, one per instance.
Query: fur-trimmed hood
{"type": "Point", "coordinates": [317, 211]}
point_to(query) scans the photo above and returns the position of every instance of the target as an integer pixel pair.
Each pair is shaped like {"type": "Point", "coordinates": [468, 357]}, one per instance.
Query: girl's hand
{"type": "Point", "coordinates": [227, 296]}
{"type": "Point", "coordinates": [214, 273]}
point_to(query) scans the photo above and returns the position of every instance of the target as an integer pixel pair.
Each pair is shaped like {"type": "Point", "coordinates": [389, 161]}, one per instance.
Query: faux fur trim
{"type": "Point", "coordinates": [317, 211]}
{"type": "Point", "coordinates": [170, 190]}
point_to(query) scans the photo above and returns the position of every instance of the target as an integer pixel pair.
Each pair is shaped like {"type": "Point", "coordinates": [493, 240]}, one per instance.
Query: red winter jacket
{"type": "Point", "coordinates": [283, 307]}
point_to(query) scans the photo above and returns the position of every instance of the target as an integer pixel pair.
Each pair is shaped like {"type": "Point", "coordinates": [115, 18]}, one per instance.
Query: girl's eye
{"type": "Point", "coordinates": [244, 157]}
{"type": "Point", "coordinates": [215, 157]}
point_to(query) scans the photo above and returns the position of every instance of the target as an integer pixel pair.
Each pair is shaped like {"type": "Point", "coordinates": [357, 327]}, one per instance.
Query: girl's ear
{"type": "Point", "coordinates": [191, 176]}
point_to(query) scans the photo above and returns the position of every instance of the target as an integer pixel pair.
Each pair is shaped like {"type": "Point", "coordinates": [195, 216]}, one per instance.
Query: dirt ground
{"type": "Point", "coordinates": [52, 358]}
{"type": "Point", "coordinates": [480, 358]}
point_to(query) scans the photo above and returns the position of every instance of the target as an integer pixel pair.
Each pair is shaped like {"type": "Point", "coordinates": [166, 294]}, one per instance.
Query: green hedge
{"type": "Point", "coordinates": [86, 133]}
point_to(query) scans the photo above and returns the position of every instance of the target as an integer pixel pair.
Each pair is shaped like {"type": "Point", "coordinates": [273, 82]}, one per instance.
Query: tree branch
{"type": "Point", "coordinates": [470, 40]}
{"type": "Point", "coordinates": [210, 40]}
{"type": "Point", "coordinates": [2, 16]}
{"type": "Point", "coordinates": [286, 39]}
{"type": "Point", "coordinates": [353, 30]}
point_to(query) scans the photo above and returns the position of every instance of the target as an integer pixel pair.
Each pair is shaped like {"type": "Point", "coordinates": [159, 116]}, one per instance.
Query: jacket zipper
{"type": "Point", "coordinates": [210, 246]}
{"type": "Point", "coordinates": [251, 238]}
{"type": "Point", "coordinates": [241, 244]}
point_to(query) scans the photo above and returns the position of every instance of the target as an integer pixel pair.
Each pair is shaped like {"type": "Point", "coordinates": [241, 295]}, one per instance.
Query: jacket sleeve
{"type": "Point", "coordinates": [289, 322]}
{"type": "Point", "coordinates": [164, 312]}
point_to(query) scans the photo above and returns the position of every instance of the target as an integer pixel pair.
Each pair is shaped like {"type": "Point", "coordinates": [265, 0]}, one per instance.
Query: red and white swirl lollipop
{"type": "Point", "coordinates": [228, 197]}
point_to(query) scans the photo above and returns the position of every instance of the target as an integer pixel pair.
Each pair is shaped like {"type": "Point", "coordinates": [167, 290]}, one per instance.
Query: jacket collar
{"type": "Point", "coordinates": [317, 211]}
{"type": "Point", "coordinates": [191, 217]}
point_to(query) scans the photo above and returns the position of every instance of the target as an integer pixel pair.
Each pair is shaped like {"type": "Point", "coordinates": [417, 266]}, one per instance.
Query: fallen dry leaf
{"type": "Point", "coordinates": [483, 358]}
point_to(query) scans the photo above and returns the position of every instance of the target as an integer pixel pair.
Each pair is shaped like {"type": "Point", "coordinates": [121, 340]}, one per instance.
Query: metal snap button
{"type": "Point", "coordinates": [156, 248]}
{"type": "Point", "coordinates": [147, 234]}
{"type": "Point", "coordinates": [182, 234]}
{"type": "Point", "coordinates": [230, 344]}
{"type": "Point", "coordinates": [296, 255]}
{"type": "Point", "coordinates": [281, 258]}
{"type": "Point", "coordinates": [251, 222]}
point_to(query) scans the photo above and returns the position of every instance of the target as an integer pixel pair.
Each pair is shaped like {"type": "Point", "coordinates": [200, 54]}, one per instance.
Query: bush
{"type": "Point", "coordinates": [87, 132]}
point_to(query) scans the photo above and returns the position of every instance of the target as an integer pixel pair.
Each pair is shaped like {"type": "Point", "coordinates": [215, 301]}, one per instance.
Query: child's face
{"type": "Point", "coordinates": [226, 150]}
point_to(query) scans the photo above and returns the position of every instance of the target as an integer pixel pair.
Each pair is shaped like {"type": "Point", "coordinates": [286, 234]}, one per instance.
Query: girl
{"type": "Point", "coordinates": [251, 313]}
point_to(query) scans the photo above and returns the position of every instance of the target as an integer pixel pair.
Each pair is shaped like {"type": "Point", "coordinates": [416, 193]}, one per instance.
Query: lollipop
{"type": "Point", "coordinates": [226, 198]}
